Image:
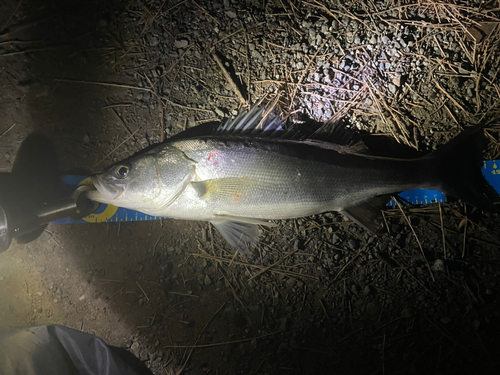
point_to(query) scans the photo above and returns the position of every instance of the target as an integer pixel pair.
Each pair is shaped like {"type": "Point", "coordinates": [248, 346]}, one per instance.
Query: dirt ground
{"type": "Point", "coordinates": [102, 80]}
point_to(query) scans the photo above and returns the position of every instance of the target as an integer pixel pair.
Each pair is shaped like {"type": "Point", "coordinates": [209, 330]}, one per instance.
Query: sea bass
{"type": "Point", "coordinates": [251, 170]}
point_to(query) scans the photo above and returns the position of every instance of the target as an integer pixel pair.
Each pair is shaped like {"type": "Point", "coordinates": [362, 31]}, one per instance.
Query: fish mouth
{"type": "Point", "coordinates": [105, 191]}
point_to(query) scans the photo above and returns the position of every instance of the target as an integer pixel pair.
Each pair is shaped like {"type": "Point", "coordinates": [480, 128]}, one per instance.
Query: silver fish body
{"type": "Point", "coordinates": [237, 182]}
{"type": "Point", "coordinates": [261, 179]}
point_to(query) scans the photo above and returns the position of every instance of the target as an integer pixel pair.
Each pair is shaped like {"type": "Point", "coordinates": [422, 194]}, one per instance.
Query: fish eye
{"type": "Point", "coordinates": [122, 171]}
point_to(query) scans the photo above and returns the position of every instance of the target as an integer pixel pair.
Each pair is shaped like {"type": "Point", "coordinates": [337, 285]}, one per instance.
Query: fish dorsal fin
{"type": "Point", "coordinates": [263, 122]}
{"type": "Point", "coordinates": [257, 122]}
{"type": "Point", "coordinates": [334, 131]}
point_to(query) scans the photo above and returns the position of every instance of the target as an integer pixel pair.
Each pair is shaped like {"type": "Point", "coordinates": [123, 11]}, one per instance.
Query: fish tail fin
{"type": "Point", "coordinates": [459, 165]}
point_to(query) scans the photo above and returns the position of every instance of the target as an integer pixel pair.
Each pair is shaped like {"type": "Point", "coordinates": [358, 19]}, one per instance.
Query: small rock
{"type": "Point", "coordinates": [291, 283]}
{"type": "Point", "coordinates": [392, 88]}
{"type": "Point", "coordinates": [208, 280]}
{"type": "Point", "coordinates": [353, 243]}
{"type": "Point", "coordinates": [154, 41]}
{"type": "Point", "coordinates": [438, 265]}
{"type": "Point", "coordinates": [86, 139]}
{"type": "Point", "coordinates": [231, 13]}
{"type": "Point", "coordinates": [392, 52]}
{"type": "Point", "coordinates": [406, 313]}
{"type": "Point", "coordinates": [41, 269]}
{"type": "Point", "coordinates": [395, 228]}
{"type": "Point", "coordinates": [373, 308]}
{"type": "Point", "coordinates": [146, 96]}
{"type": "Point", "coordinates": [219, 113]}
{"type": "Point", "coordinates": [367, 290]}
{"type": "Point", "coordinates": [445, 320]}
{"type": "Point", "coordinates": [135, 349]}
{"type": "Point", "coordinates": [182, 43]}
{"type": "Point", "coordinates": [335, 239]}
{"type": "Point", "coordinates": [396, 80]}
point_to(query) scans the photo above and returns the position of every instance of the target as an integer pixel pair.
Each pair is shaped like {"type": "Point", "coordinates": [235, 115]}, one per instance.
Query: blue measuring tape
{"type": "Point", "coordinates": [109, 213]}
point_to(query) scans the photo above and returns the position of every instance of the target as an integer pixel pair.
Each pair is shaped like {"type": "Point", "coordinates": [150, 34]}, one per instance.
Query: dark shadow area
{"type": "Point", "coordinates": [34, 180]}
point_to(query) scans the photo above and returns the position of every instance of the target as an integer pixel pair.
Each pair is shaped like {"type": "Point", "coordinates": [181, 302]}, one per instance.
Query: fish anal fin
{"type": "Point", "coordinates": [368, 213]}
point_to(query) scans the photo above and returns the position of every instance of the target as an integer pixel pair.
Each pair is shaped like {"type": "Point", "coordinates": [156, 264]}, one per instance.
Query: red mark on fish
{"type": "Point", "coordinates": [212, 155]}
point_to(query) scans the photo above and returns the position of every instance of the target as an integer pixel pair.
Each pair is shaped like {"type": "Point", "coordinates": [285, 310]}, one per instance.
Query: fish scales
{"type": "Point", "coordinates": [282, 180]}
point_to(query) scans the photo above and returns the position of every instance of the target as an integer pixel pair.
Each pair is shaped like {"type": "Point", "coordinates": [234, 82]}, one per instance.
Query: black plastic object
{"type": "Point", "coordinates": [54, 349]}
{"type": "Point", "coordinates": [33, 195]}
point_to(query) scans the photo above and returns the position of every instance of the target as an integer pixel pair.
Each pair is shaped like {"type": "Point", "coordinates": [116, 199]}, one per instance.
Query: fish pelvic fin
{"type": "Point", "coordinates": [459, 164]}
{"type": "Point", "coordinates": [242, 235]}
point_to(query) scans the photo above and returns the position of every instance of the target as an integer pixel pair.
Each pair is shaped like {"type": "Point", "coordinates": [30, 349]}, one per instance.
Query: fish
{"type": "Point", "coordinates": [253, 169]}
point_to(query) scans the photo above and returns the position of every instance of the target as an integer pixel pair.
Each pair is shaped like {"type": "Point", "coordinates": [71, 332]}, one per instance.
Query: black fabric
{"type": "Point", "coordinates": [54, 349]}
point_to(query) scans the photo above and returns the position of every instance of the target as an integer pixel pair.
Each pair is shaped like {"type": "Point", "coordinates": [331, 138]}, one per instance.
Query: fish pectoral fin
{"type": "Point", "coordinates": [240, 235]}
{"type": "Point", "coordinates": [368, 213]}
{"type": "Point", "coordinates": [228, 188]}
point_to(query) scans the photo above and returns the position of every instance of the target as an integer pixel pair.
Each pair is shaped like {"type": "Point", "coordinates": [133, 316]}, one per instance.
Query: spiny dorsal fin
{"type": "Point", "coordinates": [263, 122]}
{"type": "Point", "coordinates": [257, 122]}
